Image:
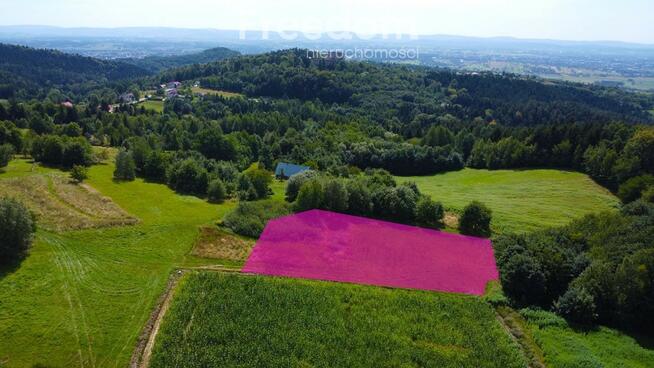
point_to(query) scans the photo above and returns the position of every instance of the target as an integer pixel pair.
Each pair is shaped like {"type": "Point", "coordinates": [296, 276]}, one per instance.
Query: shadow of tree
{"type": "Point", "coordinates": [7, 267]}
{"type": "Point", "coordinates": [645, 341]}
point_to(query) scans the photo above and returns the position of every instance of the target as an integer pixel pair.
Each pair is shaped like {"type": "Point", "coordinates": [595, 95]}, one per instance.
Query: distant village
{"type": "Point", "coordinates": [160, 93]}
{"type": "Point", "coordinates": [166, 91]}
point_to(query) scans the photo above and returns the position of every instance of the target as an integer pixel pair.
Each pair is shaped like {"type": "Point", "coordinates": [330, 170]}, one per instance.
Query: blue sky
{"type": "Point", "coordinates": [624, 20]}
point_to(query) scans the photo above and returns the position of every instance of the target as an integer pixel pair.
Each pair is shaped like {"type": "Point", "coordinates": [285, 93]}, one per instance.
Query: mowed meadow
{"type": "Point", "coordinates": [521, 200]}
{"type": "Point", "coordinates": [228, 320]}
{"type": "Point", "coordinates": [81, 298]}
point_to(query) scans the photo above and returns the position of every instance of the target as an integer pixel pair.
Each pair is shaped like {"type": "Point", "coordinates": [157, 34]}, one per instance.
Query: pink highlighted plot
{"type": "Point", "coordinates": [329, 246]}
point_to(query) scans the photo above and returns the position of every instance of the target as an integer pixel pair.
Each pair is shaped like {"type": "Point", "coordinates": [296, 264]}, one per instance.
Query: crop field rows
{"type": "Point", "coordinates": [227, 320]}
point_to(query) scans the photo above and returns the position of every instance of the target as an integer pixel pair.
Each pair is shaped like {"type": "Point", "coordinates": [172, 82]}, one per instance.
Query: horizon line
{"type": "Point", "coordinates": [355, 33]}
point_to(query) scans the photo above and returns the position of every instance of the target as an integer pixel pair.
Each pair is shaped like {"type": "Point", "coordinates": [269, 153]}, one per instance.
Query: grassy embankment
{"type": "Point", "coordinates": [521, 200]}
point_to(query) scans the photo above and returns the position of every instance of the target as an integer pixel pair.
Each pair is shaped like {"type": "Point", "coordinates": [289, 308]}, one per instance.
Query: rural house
{"type": "Point", "coordinates": [285, 170]}
{"type": "Point", "coordinates": [127, 98]}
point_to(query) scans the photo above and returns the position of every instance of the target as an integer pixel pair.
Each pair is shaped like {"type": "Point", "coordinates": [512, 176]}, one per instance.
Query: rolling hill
{"type": "Point", "coordinates": [383, 92]}
{"type": "Point", "coordinates": [27, 72]}
{"type": "Point", "coordinates": [158, 63]}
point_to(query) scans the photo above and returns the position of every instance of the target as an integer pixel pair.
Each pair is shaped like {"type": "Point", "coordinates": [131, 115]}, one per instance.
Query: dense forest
{"type": "Point", "coordinates": [335, 113]}
{"type": "Point", "coordinates": [412, 98]}
{"type": "Point", "coordinates": [355, 123]}
{"type": "Point", "coordinates": [157, 64]}
{"type": "Point", "coordinates": [600, 268]}
{"type": "Point", "coordinates": [27, 73]}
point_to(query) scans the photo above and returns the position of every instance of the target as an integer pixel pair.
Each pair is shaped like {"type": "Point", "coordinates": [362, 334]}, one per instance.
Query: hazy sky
{"type": "Point", "coordinates": [620, 20]}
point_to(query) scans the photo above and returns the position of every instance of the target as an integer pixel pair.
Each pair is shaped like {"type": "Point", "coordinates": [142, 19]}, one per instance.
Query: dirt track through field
{"type": "Point", "coordinates": [145, 344]}
{"type": "Point", "coordinates": [143, 351]}
{"type": "Point", "coordinates": [528, 347]}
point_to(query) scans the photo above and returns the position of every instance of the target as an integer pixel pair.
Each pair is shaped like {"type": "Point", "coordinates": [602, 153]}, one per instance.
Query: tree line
{"type": "Point", "coordinates": [599, 269]}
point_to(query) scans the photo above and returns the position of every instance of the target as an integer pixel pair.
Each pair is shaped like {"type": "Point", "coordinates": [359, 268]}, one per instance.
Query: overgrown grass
{"type": "Point", "coordinates": [521, 200]}
{"type": "Point", "coordinates": [207, 91]}
{"type": "Point", "coordinates": [219, 320]}
{"type": "Point", "coordinates": [81, 298]}
{"type": "Point", "coordinates": [61, 205]}
{"type": "Point", "coordinates": [218, 244]}
{"type": "Point", "coordinates": [565, 347]}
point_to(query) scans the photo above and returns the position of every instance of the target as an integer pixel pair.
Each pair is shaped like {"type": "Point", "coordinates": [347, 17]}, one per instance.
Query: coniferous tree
{"type": "Point", "coordinates": [125, 167]}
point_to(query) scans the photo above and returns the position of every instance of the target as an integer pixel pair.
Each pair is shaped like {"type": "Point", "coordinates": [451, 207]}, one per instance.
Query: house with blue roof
{"type": "Point", "coordinates": [285, 170]}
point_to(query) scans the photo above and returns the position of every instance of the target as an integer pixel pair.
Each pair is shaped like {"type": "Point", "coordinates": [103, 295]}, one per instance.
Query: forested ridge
{"type": "Point", "coordinates": [333, 113]}
{"type": "Point", "coordinates": [386, 92]}
{"type": "Point", "coordinates": [28, 73]}
{"type": "Point", "coordinates": [156, 64]}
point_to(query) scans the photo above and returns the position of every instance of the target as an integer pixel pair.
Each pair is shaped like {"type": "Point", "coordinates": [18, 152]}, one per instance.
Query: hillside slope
{"type": "Point", "coordinates": [387, 91]}
{"type": "Point", "coordinates": [27, 72]}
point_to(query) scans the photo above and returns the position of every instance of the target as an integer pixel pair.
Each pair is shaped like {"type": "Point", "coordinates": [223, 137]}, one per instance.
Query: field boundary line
{"type": "Point", "coordinates": [515, 327]}
{"type": "Point", "coordinates": [145, 343]}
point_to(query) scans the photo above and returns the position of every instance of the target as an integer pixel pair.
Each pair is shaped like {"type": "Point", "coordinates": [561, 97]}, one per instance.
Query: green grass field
{"type": "Point", "coordinates": [206, 91]}
{"type": "Point", "coordinates": [220, 320]}
{"type": "Point", "coordinates": [565, 347]}
{"type": "Point", "coordinates": [22, 167]}
{"type": "Point", "coordinates": [153, 105]}
{"type": "Point", "coordinates": [279, 190]}
{"type": "Point", "coordinates": [522, 200]}
{"type": "Point", "coordinates": [81, 298]}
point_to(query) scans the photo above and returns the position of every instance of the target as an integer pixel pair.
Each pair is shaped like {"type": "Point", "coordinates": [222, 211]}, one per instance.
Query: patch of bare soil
{"type": "Point", "coordinates": [61, 205]}
{"type": "Point", "coordinates": [451, 220]}
{"type": "Point", "coordinates": [217, 244]}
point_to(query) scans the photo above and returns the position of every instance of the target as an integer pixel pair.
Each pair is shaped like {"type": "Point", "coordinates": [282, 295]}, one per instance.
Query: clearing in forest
{"type": "Point", "coordinates": [324, 245]}
{"type": "Point", "coordinates": [207, 91]}
{"type": "Point", "coordinates": [521, 200]}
